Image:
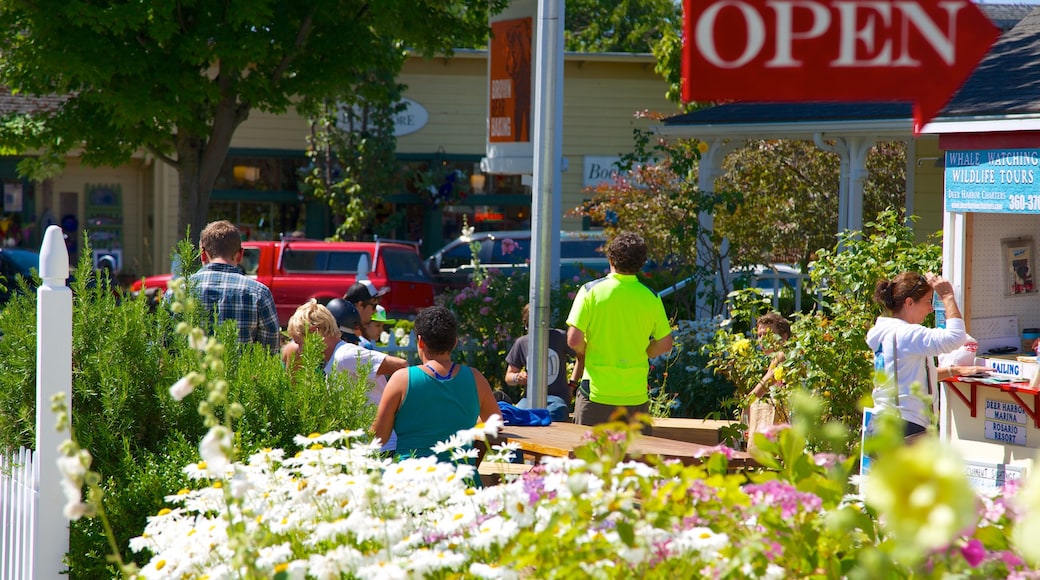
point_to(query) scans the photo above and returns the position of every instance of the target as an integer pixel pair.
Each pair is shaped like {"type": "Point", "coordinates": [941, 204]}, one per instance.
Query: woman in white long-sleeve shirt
{"type": "Point", "coordinates": [906, 350]}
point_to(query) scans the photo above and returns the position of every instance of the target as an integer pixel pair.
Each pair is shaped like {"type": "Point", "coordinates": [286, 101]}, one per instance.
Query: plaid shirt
{"type": "Point", "coordinates": [236, 297]}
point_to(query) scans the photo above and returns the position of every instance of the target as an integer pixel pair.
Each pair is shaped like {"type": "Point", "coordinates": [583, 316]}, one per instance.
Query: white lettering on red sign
{"type": "Point", "coordinates": [858, 29]}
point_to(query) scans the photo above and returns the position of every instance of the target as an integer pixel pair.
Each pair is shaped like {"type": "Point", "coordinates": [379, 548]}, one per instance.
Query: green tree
{"type": "Point", "coordinates": [790, 197]}
{"type": "Point", "coordinates": [178, 78]}
{"type": "Point", "coordinates": [619, 25]}
{"type": "Point", "coordinates": [352, 148]}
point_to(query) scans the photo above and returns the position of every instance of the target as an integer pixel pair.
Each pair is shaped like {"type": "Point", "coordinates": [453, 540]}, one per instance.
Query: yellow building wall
{"type": "Point", "coordinates": [600, 100]}
{"type": "Point", "coordinates": [928, 188]}
{"type": "Point", "coordinates": [262, 130]}
{"type": "Point", "coordinates": [73, 182]}
{"type": "Point", "coordinates": [601, 97]}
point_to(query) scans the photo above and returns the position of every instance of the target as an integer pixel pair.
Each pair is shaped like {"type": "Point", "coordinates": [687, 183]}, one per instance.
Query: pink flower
{"type": "Point", "coordinates": [974, 552]}
{"type": "Point", "coordinates": [458, 299]}
{"type": "Point", "coordinates": [772, 431]}
{"type": "Point", "coordinates": [508, 245]}
{"type": "Point", "coordinates": [484, 311]}
{"type": "Point", "coordinates": [827, 460]}
{"type": "Point", "coordinates": [1010, 559]}
{"type": "Point", "coordinates": [571, 295]}
{"type": "Point", "coordinates": [728, 452]}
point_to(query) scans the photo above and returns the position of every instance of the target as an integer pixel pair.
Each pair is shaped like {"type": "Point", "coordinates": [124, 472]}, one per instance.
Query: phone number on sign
{"type": "Point", "coordinates": [1024, 202]}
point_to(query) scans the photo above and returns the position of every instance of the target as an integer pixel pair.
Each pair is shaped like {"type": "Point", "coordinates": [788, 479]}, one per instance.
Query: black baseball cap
{"type": "Point", "coordinates": [364, 290]}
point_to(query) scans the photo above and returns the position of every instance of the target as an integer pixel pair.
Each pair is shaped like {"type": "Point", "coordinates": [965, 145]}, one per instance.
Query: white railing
{"type": "Point", "coordinates": [18, 476]}
{"type": "Point", "coordinates": [410, 354]}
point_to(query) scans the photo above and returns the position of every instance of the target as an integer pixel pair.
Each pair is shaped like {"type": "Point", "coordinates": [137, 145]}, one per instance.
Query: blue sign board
{"type": "Point", "coordinates": [993, 181]}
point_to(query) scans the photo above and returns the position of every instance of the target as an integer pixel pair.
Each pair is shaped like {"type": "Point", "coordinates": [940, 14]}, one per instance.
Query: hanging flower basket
{"type": "Point", "coordinates": [441, 185]}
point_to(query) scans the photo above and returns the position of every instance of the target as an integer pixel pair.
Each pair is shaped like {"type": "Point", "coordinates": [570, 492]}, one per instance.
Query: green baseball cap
{"type": "Point", "coordinates": [380, 316]}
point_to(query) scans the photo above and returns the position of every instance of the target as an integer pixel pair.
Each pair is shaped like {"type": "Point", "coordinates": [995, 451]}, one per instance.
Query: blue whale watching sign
{"type": "Point", "coordinates": [992, 181]}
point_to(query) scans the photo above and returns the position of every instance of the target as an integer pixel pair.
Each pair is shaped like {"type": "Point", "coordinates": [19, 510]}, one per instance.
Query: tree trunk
{"type": "Point", "coordinates": [193, 201]}
{"type": "Point", "coordinates": [198, 163]}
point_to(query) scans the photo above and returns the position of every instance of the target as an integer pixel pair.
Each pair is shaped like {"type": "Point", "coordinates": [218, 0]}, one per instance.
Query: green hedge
{"type": "Point", "coordinates": [126, 355]}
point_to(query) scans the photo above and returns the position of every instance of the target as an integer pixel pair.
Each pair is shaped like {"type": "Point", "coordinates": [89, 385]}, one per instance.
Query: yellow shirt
{"type": "Point", "coordinates": [618, 315]}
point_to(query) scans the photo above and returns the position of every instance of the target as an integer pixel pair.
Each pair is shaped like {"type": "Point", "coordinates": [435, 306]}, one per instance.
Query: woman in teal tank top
{"type": "Point", "coordinates": [428, 403]}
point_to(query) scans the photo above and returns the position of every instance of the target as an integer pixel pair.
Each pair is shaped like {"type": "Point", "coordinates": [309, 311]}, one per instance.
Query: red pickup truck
{"type": "Point", "coordinates": [297, 270]}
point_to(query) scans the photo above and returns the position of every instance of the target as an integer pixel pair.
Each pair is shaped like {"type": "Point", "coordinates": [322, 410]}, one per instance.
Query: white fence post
{"type": "Point", "coordinates": [53, 375]}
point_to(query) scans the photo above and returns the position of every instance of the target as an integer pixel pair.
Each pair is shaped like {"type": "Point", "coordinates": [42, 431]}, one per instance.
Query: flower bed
{"type": "Point", "coordinates": [337, 510]}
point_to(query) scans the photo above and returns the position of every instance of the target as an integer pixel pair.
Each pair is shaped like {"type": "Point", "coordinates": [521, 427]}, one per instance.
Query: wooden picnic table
{"type": "Point", "coordinates": [561, 439]}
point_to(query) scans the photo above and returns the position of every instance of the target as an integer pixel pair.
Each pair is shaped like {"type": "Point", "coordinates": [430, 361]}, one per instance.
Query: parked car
{"type": "Point", "coordinates": [768, 279]}
{"type": "Point", "coordinates": [16, 263]}
{"type": "Point", "coordinates": [297, 270]}
{"type": "Point", "coordinates": [581, 253]}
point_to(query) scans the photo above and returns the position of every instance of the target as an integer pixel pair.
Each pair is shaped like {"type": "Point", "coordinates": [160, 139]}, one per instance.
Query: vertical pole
{"type": "Point", "coordinates": [53, 375]}
{"type": "Point", "coordinates": [545, 207]}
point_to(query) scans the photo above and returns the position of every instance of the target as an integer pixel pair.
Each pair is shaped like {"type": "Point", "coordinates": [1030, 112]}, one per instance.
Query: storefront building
{"type": "Point", "coordinates": [130, 211]}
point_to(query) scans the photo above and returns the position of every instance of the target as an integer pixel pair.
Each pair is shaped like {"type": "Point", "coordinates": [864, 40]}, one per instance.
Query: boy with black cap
{"type": "Point", "coordinates": [365, 297]}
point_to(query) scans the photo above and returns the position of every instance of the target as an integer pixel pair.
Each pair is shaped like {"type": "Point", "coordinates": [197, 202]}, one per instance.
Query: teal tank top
{"type": "Point", "coordinates": [434, 410]}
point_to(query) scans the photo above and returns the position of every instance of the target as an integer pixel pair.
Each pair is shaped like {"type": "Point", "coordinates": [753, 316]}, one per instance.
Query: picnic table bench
{"type": "Point", "coordinates": [703, 431]}
{"type": "Point", "coordinates": [561, 439]}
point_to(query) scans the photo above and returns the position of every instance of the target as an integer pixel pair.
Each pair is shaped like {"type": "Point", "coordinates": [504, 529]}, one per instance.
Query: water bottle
{"type": "Point", "coordinates": [879, 360]}
{"type": "Point", "coordinates": [879, 366]}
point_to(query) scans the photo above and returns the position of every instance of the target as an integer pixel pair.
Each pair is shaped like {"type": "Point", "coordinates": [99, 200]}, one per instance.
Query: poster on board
{"type": "Point", "coordinates": [1018, 266]}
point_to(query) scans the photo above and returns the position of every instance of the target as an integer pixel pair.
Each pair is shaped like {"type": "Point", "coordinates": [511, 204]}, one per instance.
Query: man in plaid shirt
{"type": "Point", "coordinates": [220, 285]}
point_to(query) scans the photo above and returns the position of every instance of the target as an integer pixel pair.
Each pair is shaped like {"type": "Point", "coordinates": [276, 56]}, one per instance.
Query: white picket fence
{"type": "Point", "coordinates": [34, 532]}
{"type": "Point", "coordinates": [18, 476]}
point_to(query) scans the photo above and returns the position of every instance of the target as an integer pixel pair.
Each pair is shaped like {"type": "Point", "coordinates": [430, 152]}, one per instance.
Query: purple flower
{"type": "Point", "coordinates": [772, 550]}
{"type": "Point", "coordinates": [484, 311]}
{"type": "Point", "coordinates": [459, 298]}
{"type": "Point", "coordinates": [974, 552]}
{"type": "Point", "coordinates": [508, 245]}
{"type": "Point", "coordinates": [488, 299]}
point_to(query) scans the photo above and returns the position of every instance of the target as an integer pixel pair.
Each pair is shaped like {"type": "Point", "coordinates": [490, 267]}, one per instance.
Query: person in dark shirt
{"type": "Point", "coordinates": [560, 389]}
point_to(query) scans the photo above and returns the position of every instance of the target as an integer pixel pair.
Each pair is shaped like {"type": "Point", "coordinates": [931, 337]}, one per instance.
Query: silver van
{"type": "Point", "coordinates": [581, 254]}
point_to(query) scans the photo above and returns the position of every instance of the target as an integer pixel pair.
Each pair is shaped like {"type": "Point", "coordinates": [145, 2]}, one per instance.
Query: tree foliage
{"type": "Point", "coordinates": [790, 197]}
{"type": "Point", "coordinates": [619, 25]}
{"type": "Point", "coordinates": [352, 149]}
{"type": "Point", "coordinates": [178, 78]}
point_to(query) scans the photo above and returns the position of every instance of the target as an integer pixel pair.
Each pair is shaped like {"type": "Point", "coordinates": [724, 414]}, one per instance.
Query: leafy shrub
{"type": "Point", "coordinates": [488, 311]}
{"type": "Point", "coordinates": [827, 352]}
{"type": "Point", "coordinates": [126, 355]}
{"type": "Point", "coordinates": [686, 372]}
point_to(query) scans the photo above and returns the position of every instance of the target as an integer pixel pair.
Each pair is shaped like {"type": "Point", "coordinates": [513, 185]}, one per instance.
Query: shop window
{"type": "Point", "coordinates": [260, 173]}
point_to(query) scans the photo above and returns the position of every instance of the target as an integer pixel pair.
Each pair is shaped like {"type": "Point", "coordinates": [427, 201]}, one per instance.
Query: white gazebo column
{"type": "Point", "coordinates": [954, 255]}
{"type": "Point", "coordinates": [708, 170]}
{"type": "Point", "coordinates": [852, 151]}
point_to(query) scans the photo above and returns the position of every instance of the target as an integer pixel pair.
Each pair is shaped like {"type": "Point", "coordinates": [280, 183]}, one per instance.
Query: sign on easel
{"type": "Point", "coordinates": [990, 475]}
